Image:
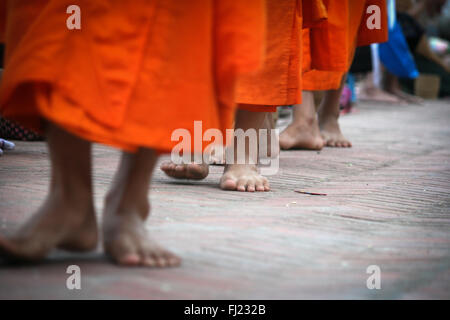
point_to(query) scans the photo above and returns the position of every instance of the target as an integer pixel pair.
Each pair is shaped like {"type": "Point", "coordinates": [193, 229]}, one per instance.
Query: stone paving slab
{"type": "Point", "coordinates": [387, 204]}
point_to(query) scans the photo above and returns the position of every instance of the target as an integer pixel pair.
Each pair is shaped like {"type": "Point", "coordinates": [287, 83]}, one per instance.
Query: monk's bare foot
{"type": "Point", "coordinates": [126, 240]}
{"type": "Point", "coordinates": [243, 177]}
{"type": "Point", "coordinates": [406, 97]}
{"type": "Point", "coordinates": [185, 171]}
{"type": "Point", "coordinates": [62, 222]}
{"type": "Point", "coordinates": [331, 132]}
{"type": "Point", "coordinates": [377, 95]}
{"type": "Point", "coordinates": [305, 135]}
{"type": "Point", "coordinates": [127, 243]}
{"type": "Point", "coordinates": [392, 85]}
{"type": "Point", "coordinates": [125, 237]}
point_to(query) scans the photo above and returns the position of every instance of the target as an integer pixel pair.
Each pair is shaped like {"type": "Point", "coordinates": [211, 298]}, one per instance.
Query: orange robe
{"type": "Point", "coordinates": [328, 49]}
{"type": "Point", "coordinates": [310, 45]}
{"type": "Point", "coordinates": [278, 82]}
{"type": "Point", "coordinates": [136, 71]}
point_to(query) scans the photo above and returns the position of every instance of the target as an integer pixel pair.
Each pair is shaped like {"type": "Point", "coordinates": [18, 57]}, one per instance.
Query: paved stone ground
{"type": "Point", "coordinates": [387, 204]}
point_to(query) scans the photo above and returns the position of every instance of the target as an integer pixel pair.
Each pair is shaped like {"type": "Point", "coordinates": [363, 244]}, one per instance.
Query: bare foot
{"type": "Point", "coordinates": [406, 97]}
{"type": "Point", "coordinates": [377, 95]}
{"type": "Point", "coordinates": [59, 223]}
{"type": "Point", "coordinates": [125, 237]}
{"type": "Point", "coordinates": [243, 177]}
{"type": "Point", "coordinates": [331, 132]}
{"type": "Point", "coordinates": [126, 240]}
{"type": "Point", "coordinates": [392, 86]}
{"type": "Point", "coordinates": [305, 135]}
{"type": "Point", "coordinates": [185, 171]}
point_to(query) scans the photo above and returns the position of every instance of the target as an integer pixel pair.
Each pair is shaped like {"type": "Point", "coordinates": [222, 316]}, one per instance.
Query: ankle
{"type": "Point", "coordinates": [328, 115]}
{"type": "Point", "coordinates": [252, 167]}
{"type": "Point", "coordinates": [140, 207]}
{"type": "Point", "coordinates": [304, 122]}
{"type": "Point", "coordinates": [242, 159]}
{"type": "Point", "coordinates": [79, 198]}
{"type": "Point", "coordinates": [121, 204]}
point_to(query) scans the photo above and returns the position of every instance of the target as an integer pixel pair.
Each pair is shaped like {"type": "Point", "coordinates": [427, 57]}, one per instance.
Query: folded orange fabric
{"type": "Point", "coordinates": [135, 72]}
{"type": "Point", "coordinates": [328, 49]}
{"type": "Point", "coordinates": [314, 79]}
{"type": "Point", "coordinates": [279, 81]}
{"type": "Point", "coordinates": [310, 46]}
{"type": "Point", "coordinates": [257, 108]}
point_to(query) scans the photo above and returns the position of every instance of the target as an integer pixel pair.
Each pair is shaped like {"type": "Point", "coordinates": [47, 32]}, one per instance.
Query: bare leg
{"type": "Point", "coordinates": [245, 177]}
{"type": "Point", "coordinates": [270, 124]}
{"type": "Point", "coordinates": [66, 219]}
{"type": "Point", "coordinates": [303, 132]}
{"type": "Point", "coordinates": [126, 209]}
{"type": "Point", "coordinates": [328, 119]}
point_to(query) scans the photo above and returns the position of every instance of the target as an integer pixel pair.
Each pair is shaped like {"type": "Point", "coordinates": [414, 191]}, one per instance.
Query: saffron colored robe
{"type": "Point", "coordinates": [310, 46]}
{"type": "Point", "coordinates": [135, 71]}
{"type": "Point", "coordinates": [328, 49]}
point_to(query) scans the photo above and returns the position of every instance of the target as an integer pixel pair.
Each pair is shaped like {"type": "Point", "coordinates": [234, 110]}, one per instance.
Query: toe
{"type": "Point", "coordinates": [156, 256]}
{"type": "Point", "coordinates": [180, 168]}
{"type": "Point", "coordinates": [318, 145]}
{"type": "Point", "coordinates": [167, 165]}
{"type": "Point", "coordinates": [174, 261]}
{"type": "Point", "coordinates": [251, 186]}
{"type": "Point", "coordinates": [284, 142]}
{"type": "Point", "coordinates": [165, 258]}
{"type": "Point", "coordinates": [159, 259]}
{"type": "Point", "coordinates": [260, 185]}
{"type": "Point", "coordinates": [266, 185]}
{"type": "Point", "coordinates": [169, 169]}
{"type": "Point", "coordinates": [242, 184]}
{"type": "Point", "coordinates": [129, 259]}
{"type": "Point", "coordinates": [146, 254]}
{"type": "Point", "coordinates": [149, 261]}
{"type": "Point", "coordinates": [197, 171]}
{"type": "Point", "coordinates": [122, 249]}
{"type": "Point", "coordinates": [164, 165]}
{"type": "Point", "coordinates": [171, 259]}
{"type": "Point", "coordinates": [228, 184]}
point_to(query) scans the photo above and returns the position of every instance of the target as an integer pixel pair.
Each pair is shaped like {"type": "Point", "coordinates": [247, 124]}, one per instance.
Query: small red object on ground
{"type": "Point", "coordinates": [310, 193]}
